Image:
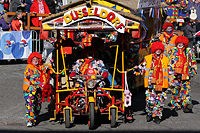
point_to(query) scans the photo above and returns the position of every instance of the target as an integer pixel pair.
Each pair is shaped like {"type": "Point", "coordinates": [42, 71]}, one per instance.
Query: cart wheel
{"type": "Point", "coordinates": [91, 116]}
{"type": "Point", "coordinates": [113, 118]}
{"type": "Point", "coordinates": [67, 118]}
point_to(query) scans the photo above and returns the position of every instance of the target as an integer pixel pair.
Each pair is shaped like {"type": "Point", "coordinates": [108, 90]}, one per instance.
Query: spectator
{"type": "Point", "coordinates": [6, 5]}
{"type": "Point", "coordinates": [4, 21]}
{"type": "Point", "coordinates": [188, 29]}
{"type": "Point", "coordinates": [1, 5]}
{"type": "Point", "coordinates": [17, 23]}
{"type": "Point", "coordinates": [196, 6]}
{"type": "Point", "coordinates": [16, 5]}
{"type": "Point", "coordinates": [38, 6]}
{"type": "Point", "coordinates": [28, 5]}
{"type": "Point", "coordinates": [52, 6]}
{"type": "Point", "coordinates": [58, 5]}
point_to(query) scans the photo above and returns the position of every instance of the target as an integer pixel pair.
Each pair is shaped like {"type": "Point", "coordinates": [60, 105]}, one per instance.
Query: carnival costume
{"type": "Point", "coordinates": [168, 39]}
{"type": "Point", "coordinates": [155, 80]}
{"type": "Point", "coordinates": [183, 66]}
{"type": "Point", "coordinates": [32, 87]}
{"type": "Point", "coordinates": [89, 67]}
{"type": "Point", "coordinates": [175, 12]}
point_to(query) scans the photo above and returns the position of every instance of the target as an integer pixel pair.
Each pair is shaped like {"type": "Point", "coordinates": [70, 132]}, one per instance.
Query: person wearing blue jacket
{"type": "Point", "coordinates": [28, 5]}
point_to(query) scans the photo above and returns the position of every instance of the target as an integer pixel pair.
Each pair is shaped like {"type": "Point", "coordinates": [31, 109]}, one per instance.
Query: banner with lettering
{"type": "Point", "coordinates": [15, 44]}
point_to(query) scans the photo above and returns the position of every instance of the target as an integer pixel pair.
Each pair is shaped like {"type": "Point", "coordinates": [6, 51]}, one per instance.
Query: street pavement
{"type": "Point", "coordinates": [12, 110]}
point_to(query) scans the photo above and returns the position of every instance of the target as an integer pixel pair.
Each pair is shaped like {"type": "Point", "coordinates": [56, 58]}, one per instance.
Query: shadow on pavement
{"type": "Point", "coordinates": [13, 61]}
{"type": "Point", "coordinates": [136, 131]}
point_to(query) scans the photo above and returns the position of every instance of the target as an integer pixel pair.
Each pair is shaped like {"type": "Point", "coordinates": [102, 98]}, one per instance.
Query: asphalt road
{"type": "Point", "coordinates": [12, 110]}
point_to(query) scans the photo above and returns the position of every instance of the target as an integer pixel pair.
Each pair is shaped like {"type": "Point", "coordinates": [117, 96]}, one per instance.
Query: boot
{"type": "Point", "coordinates": [149, 118]}
{"type": "Point", "coordinates": [157, 120]}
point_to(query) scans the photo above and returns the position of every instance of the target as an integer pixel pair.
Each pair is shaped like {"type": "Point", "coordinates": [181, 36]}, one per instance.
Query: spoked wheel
{"type": "Point", "coordinates": [91, 116]}
{"type": "Point", "coordinates": [113, 118]}
{"type": "Point", "coordinates": [67, 118]}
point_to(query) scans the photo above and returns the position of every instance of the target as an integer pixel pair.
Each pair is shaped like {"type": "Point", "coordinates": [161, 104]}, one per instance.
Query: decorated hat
{"type": "Point", "coordinates": [168, 25]}
{"type": "Point", "coordinates": [32, 55]}
{"type": "Point", "coordinates": [182, 39]}
{"type": "Point", "coordinates": [157, 45]}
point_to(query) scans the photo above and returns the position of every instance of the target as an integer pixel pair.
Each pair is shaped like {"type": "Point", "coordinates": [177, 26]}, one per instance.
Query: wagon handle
{"type": "Point", "coordinates": [125, 71]}
{"type": "Point", "coordinates": [58, 72]}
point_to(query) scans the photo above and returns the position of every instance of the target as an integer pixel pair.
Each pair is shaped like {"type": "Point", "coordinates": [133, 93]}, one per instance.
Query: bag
{"type": "Point", "coordinates": [43, 34]}
{"type": "Point", "coordinates": [136, 33]}
{"type": "Point", "coordinates": [127, 93]}
{"type": "Point", "coordinates": [66, 50]}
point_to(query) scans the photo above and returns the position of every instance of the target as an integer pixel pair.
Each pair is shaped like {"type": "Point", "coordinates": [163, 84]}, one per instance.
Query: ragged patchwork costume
{"type": "Point", "coordinates": [183, 66]}
{"type": "Point", "coordinates": [175, 12]}
{"type": "Point", "coordinates": [32, 87]}
{"type": "Point", "coordinates": [155, 80]}
{"type": "Point", "coordinates": [168, 39]}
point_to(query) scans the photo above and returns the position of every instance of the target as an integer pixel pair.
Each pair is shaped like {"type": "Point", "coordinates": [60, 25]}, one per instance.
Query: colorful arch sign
{"type": "Point", "coordinates": [95, 12]}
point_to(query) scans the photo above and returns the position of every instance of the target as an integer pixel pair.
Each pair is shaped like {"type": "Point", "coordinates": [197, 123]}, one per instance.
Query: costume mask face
{"type": "Point", "coordinates": [90, 54]}
{"type": "Point", "coordinates": [35, 61]}
{"type": "Point", "coordinates": [90, 57]}
{"type": "Point", "coordinates": [158, 52]}
{"type": "Point", "coordinates": [180, 45]}
{"type": "Point", "coordinates": [169, 30]}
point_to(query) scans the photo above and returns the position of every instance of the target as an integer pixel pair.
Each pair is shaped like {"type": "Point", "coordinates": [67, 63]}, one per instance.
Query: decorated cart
{"type": "Point", "coordinates": [90, 17]}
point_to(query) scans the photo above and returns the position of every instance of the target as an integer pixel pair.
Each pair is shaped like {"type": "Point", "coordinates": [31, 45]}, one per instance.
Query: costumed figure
{"type": "Point", "coordinates": [167, 37]}
{"type": "Point", "coordinates": [33, 84]}
{"type": "Point", "coordinates": [155, 67]}
{"type": "Point", "coordinates": [177, 10]}
{"type": "Point", "coordinates": [183, 66]}
{"type": "Point", "coordinates": [89, 66]}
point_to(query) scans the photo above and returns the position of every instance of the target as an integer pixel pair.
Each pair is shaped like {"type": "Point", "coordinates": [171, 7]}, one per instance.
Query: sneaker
{"type": "Point", "coordinates": [29, 124]}
{"type": "Point", "coordinates": [157, 120]}
{"type": "Point", "coordinates": [149, 118]}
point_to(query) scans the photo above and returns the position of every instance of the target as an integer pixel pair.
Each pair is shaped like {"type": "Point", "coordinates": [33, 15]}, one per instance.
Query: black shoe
{"type": "Point", "coordinates": [157, 120]}
{"type": "Point", "coordinates": [188, 108]}
{"type": "Point", "coordinates": [173, 112]}
{"type": "Point", "coordinates": [149, 118]}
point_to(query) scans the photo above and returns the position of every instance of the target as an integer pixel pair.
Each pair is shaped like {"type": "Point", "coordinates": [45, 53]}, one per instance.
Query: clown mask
{"type": "Point", "coordinates": [35, 61]}
{"type": "Point", "coordinates": [158, 52]}
{"type": "Point", "coordinates": [169, 30]}
{"type": "Point", "coordinates": [180, 45]}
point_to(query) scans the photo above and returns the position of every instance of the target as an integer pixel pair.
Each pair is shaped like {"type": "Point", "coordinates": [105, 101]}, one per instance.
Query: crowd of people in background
{"type": "Point", "coordinates": [17, 22]}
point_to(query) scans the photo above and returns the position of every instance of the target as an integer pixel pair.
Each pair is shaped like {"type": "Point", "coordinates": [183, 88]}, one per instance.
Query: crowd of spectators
{"type": "Point", "coordinates": [17, 22]}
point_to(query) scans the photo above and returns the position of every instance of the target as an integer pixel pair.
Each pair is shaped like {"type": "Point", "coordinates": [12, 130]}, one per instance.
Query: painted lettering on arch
{"type": "Point", "coordinates": [95, 12]}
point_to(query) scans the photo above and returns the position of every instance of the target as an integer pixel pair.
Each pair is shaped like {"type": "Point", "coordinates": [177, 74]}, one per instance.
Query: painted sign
{"type": "Point", "coordinates": [15, 44]}
{"type": "Point", "coordinates": [95, 12]}
{"type": "Point", "coordinates": [149, 3]}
